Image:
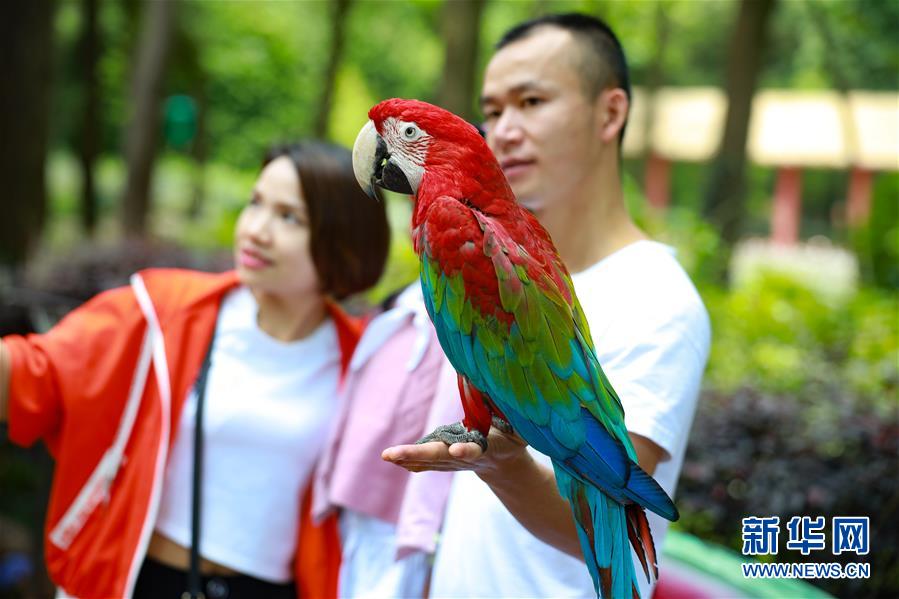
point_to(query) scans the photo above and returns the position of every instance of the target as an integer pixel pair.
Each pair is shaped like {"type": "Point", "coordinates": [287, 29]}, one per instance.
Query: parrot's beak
{"type": "Point", "coordinates": [372, 164]}
{"type": "Point", "coordinates": [369, 153]}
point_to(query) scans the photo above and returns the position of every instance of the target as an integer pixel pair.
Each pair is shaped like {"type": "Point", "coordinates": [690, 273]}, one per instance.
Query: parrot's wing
{"type": "Point", "coordinates": [529, 349]}
{"type": "Point", "coordinates": [553, 335]}
{"type": "Point", "coordinates": [551, 326]}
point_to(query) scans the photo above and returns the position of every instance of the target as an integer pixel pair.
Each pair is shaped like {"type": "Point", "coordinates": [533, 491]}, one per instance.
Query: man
{"type": "Point", "coordinates": [555, 98]}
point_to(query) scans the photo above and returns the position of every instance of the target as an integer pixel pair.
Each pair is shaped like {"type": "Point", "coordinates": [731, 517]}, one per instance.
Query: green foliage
{"type": "Point", "coordinates": [800, 55]}
{"type": "Point", "coordinates": [799, 414]}
{"type": "Point", "coordinates": [877, 243]}
{"type": "Point", "coordinates": [817, 452]}
{"type": "Point", "coordinates": [349, 112]}
{"type": "Point", "coordinates": [402, 263]}
{"type": "Point", "coordinates": [698, 244]}
{"type": "Point", "coordinates": [872, 366]}
{"type": "Point", "coordinates": [174, 180]}
{"type": "Point", "coordinates": [781, 332]}
{"type": "Point", "coordinates": [396, 46]}
{"type": "Point", "coordinates": [691, 52]}
{"type": "Point", "coordinates": [263, 63]}
{"type": "Point", "coordinates": [778, 336]}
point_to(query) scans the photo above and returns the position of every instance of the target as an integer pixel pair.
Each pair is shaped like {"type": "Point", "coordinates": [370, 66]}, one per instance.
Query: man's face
{"type": "Point", "coordinates": [539, 123]}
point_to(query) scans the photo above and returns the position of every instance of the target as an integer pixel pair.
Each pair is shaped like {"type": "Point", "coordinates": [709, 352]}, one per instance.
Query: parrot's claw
{"type": "Point", "coordinates": [455, 433]}
{"type": "Point", "coordinates": [502, 425]}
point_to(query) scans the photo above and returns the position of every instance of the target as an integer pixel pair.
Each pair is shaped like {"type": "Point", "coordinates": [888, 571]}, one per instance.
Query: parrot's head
{"type": "Point", "coordinates": [405, 140]}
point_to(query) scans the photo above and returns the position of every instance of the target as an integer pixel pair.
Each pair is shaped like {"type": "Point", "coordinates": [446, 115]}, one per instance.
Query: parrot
{"type": "Point", "coordinates": [508, 319]}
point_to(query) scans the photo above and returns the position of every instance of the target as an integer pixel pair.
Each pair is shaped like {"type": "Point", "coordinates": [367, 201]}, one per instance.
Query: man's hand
{"type": "Point", "coordinates": [526, 487]}
{"type": "Point", "coordinates": [503, 449]}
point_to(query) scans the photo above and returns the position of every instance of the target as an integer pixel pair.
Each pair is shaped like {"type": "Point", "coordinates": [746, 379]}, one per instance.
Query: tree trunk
{"type": "Point", "coordinates": [143, 132]}
{"type": "Point", "coordinates": [725, 195]}
{"type": "Point", "coordinates": [461, 34]}
{"type": "Point", "coordinates": [89, 50]}
{"type": "Point", "coordinates": [338, 26]}
{"type": "Point", "coordinates": [26, 31]}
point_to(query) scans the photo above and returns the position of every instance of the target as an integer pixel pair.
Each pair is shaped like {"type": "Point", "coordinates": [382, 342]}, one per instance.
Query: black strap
{"type": "Point", "coordinates": [194, 582]}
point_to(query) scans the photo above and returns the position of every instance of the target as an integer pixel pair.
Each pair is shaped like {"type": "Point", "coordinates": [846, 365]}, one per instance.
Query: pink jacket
{"type": "Point", "coordinates": [394, 376]}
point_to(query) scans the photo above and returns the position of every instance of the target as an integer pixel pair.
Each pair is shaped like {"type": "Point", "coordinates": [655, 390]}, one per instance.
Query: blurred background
{"type": "Point", "coordinates": [763, 144]}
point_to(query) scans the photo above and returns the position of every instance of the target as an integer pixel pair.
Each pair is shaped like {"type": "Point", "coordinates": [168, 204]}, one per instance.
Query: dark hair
{"type": "Point", "coordinates": [602, 65]}
{"type": "Point", "coordinates": [349, 234]}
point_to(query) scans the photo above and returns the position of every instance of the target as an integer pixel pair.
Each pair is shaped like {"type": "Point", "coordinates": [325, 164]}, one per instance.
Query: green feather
{"type": "Point", "coordinates": [467, 314]}
{"type": "Point", "coordinates": [522, 273]}
{"type": "Point", "coordinates": [528, 314]}
{"type": "Point", "coordinates": [517, 379]}
{"type": "Point", "coordinates": [536, 410]}
{"type": "Point", "coordinates": [497, 370]}
{"type": "Point", "coordinates": [554, 338]}
{"type": "Point", "coordinates": [522, 351]}
{"type": "Point", "coordinates": [510, 288]}
{"type": "Point", "coordinates": [485, 331]}
{"type": "Point", "coordinates": [549, 386]}
{"type": "Point", "coordinates": [439, 291]}
{"type": "Point", "coordinates": [455, 296]}
{"type": "Point", "coordinates": [581, 388]}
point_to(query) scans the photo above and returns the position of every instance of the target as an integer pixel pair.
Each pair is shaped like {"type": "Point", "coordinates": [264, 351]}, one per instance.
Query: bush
{"type": "Point", "coordinates": [755, 453]}
{"type": "Point", "coordinates": [877, 243]}
{"type": "Point", "coordinates": [799, 413]}
{"type": "Point", "coordinates": [778, 336]}
{"type": "Point", "coordinates": [88, 269]}
{"type": "Point", "coordinates": [799, 417]}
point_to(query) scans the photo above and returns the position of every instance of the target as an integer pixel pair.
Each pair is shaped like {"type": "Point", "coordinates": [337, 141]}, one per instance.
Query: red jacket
{"type": "Point", "coordinates": [105, 389]}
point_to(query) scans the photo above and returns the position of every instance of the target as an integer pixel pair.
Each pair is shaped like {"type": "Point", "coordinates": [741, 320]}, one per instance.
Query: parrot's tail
{"type": "Point", "coordinates": [607, 531]}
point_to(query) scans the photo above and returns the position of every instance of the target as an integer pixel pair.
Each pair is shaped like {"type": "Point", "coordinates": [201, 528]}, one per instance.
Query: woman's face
{"type": "Point", "coordinates": [271, 241]}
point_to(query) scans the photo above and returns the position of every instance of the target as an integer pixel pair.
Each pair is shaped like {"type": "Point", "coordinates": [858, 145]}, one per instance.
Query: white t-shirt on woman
{"type": "Point", "coordinates": [268, 408]}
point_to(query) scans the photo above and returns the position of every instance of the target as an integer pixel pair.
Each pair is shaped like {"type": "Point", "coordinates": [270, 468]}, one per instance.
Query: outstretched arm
{"type": "Point", "coordinates": [4, 381]}
{"type": "Point", "coordinates": [526, 487]}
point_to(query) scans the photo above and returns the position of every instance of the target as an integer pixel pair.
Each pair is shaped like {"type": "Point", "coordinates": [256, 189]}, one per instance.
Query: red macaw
{"type": "Point", "coordinates": [508, 319]}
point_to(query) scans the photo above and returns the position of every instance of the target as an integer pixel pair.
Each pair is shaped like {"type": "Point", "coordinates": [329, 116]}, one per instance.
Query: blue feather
{"type": "Point", "coordinates": [643, 489]}
{"type": "Point", "coordinates": [570, 433]}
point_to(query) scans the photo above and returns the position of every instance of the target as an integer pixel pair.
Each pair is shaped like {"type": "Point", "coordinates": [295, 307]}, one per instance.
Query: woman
{"type": "Point", "coordinates": [113, 390]}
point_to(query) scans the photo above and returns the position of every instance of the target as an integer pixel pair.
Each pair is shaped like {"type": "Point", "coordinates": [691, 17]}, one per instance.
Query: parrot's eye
{"type": "Point", "coordinates": [410, 132]}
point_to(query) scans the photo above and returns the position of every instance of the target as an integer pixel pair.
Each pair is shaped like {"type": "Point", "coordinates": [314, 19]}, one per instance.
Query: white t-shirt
{"type": "Point", "coordinates": [369, 568]}
{"type": "Point", "coordinates": [652, 335]}
{"type": "Point", "coordinates": [267, 411]}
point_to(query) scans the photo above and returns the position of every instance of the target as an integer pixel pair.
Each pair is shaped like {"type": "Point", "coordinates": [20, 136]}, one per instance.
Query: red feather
{"type": "Point", "coordinates": [477, 416]}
